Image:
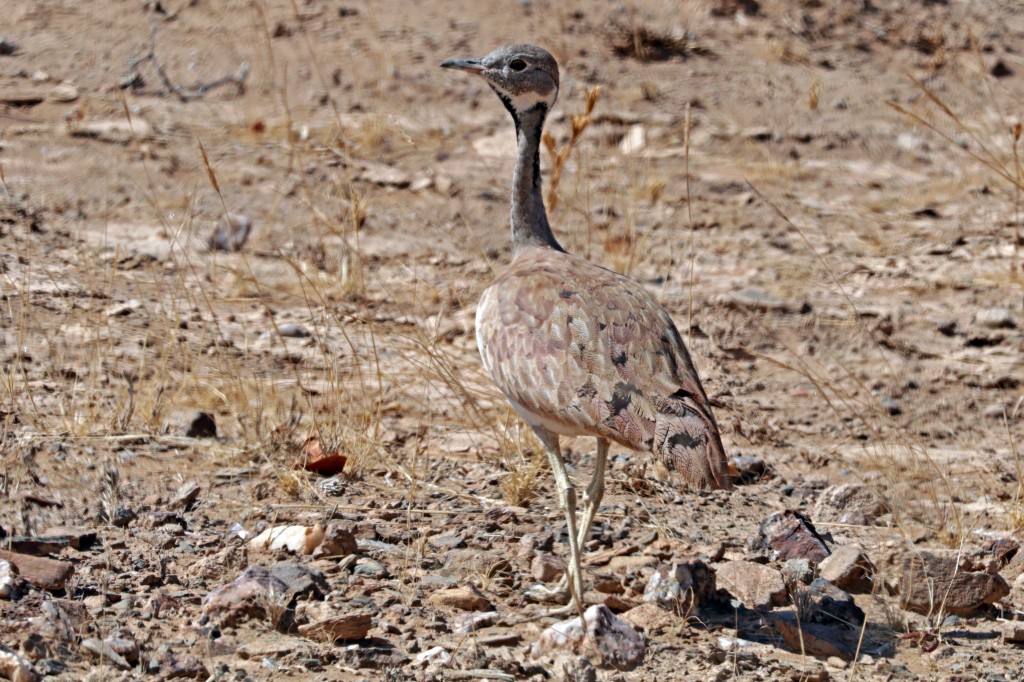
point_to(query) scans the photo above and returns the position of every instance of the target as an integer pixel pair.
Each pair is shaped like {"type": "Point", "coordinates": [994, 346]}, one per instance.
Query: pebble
{"type": "Point", "coordinates": [681, 587]}
{"type": "Point", "coordinates": [757, 586]}
{"type": "Point", "coordinates": [8, 47]}
{"type": "Point", "coordinates": [547, 567]}
{"type": "Point", "coordinates": [466, 598]}
{"type": "Point", "coordinates": [996, 317]}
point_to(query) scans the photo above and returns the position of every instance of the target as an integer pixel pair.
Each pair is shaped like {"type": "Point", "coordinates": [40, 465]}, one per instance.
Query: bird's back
{"type": "Point", "coordinates": [582, 350]}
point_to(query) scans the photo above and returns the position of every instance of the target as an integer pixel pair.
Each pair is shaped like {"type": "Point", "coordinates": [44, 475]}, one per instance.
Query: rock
{"type": "Point", "coordinates": [47, 574]}
{"type": "Point", "coordinates": [649, 618]}
{"type": "Point", "coordinates": [746, 470]}
{"type": "Point", "coordinates": [815, 639]}
{"type": "Point", "coordinates": [755, 299]}
{"type": "Point", "coordinates": [848, 568]}
{"type": "Point", "coordinates": [447, 541]}
{"type": "Point", "coordinates": [466, 598]}
{"type": "Point", "coordinates": [825, 603]}
{"type": "Point", "coordinates": [175, 666]}
{"type": "Point", "coordinates": [185, 498]}
{"type": "Point", "coordinates": [613, 640]}
{"type": "Point", "coordinates": [682, 587]}
{"type": "Point", "coordinates": [374, 653]}
{"type": "Point", "coordinates": [758, 586]}
{"type": "Point", "coordinates": [471, 622]}
{"type": "Point", "coordinates": [123, 309]}
{"type": "Point", "coordinates": [294, 539]}
{"type": "Point", "coordinates": [578, 670]}
{"type": "Point", "coordinates": [933, 581]}
{"type": "Point", "coordinates": [791, 535]}
{"type": "Point", "coordinates": [347, 627]}
{"type": "Point", "coordinates": [850, 503]}
{"type": "Point", "coordinates": [14, 667]}
{"type": "Point", "coordinates": [384, 175]}
{"type": "Point", "coordinates": [8, 47]}
{"type": "Point", "coordinates": [635, 139]}
{"type": "Point", "coordinates": [231, 233]}
{"type": "Point", "coordinates": [121, 131]}
{"type": "Point", "coordinates": [251, 594]}
{"type": "Point", "coordinates": [434, 656]}
{"type": "Point", "coordinates": [192, 424]}
{"type": "Point", "coordinates": [797, 571]}
{"type": "Point", "coordinates": [9, 582]}
{"type": "Point", "coordinates": [547, 567]}
{"type": "Point", "coordinates": [1013, 631]}
{"type": "Point", "coordinates": [370, 567]}
{"type": "Point", "coordinates": [301, 580]}
{"type": "Point", "coordinates": [104, 650]}
{"type": "Point", "coordinates": [78, 538]}
{"type": "Point", "coordinates": [315, 458]}
{"type": "Point", "coordinates": [64, 93]}
{"type": "Point", "coordinates": [996, 317]}
{"type": "Point", "coordinates": [338, 543]}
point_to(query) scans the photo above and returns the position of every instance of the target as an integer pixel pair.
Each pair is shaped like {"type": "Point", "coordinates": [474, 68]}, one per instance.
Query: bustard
{"type": "Point", "coordinates": [578, 349]}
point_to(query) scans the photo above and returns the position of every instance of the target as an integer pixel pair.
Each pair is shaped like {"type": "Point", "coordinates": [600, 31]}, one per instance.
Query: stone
{"type": "Point", "coordinates": [191, 424]}
{"type": "Point", "coordinates": [996, 317]}
{"type": "Point", "coordinates": [1013, 631]}
{"type": "Point", "coordinates": [600, 632]}
{"type": "Point", "coordinates": [933, 581]}
{"type": "Point", "coordinates": [825, 603]}
{"type": "Point", "coordinates": [176, 666]}
{"type": "Point", "coordinates": [185, 498]}
{"type": "Point", "coordinates": [231, 233]}
{"type": "Point", "coordinates": [649, 618]}
{"type": "Point", "coordinates": [314, 457]}
{"type": "Point", "coordinates": [251, 594]}
{"type": "Point", "coordinates": [102, 649]}
{"type": "Point", "coordinates": [374, 653]}
{"type": "Point", "coordinates": [848, 568]}
{"type": "Point", "coordinates": [343, 627]}
{"type": "Point", "coordinates": [14, 667]}
{"type": "Point", "coordinates": [338, 543]}
{"type": "Point", "coordinates": [797, 571]}
{"type": "Point", "coordinates": [682, 587]}
{"type": "Point", "coordinates": [547, 567]}
{"type": "Point", "coordinates": [302, 580]}
{"type": "Point", "coordinates": [471, 622]}
{"type": "Point", "coordinates": [447, 541]}
{"type": "Point", "coordinates": [791, 535]}
{"type": "Point", "coordinates": [815, 639]}
{"type": "Point", "coordinates": [757, 586]}
{"type": "Point", "coordinates": [850, 503]}
{"type": "Point", "coordinates": [748, 469]}
{"type": "Point", "coordinates": [466, 598]}
{"type": "Point", "coordinates": [10, 587]}
{"type": "Point", "coordinates": [47, 574]}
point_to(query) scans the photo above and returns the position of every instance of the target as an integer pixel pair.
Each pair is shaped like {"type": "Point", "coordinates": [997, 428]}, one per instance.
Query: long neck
{"type": "Point", "coordinates": [530, 226]}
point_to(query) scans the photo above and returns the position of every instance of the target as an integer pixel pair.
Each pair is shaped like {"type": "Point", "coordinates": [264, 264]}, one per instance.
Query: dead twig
{"type": "Point", "coordinates": [186, 93]}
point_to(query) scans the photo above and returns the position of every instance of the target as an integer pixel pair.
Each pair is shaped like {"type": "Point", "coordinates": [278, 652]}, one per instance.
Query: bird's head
{"type": "Point", "coordinates": [525, 77]}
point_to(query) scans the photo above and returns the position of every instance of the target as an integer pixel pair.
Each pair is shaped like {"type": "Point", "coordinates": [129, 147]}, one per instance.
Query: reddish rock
{"type": "Point", "coordinates": [848, 568]}
{"type": "Point", "coordinates": [825, 603]}
{"type": "Point", "coordinates": [338, 542]}
{"type": "Point", "coordinates": [934, 581]}
{"type": "Point", "coordinates": [815, 639]}
{"type": "Point", "coordinates": [342, 627]}
{"type": "Point", "coordinates": [547, 567]}
{"type": "Point", "coordinates": [791, 535]}
{"type": "Point", "coordinates": [320, 461]}
{"type": "Point", "coordinates": [612, 640]}
{"type": "Point", "coordinates": [248, 595]}
{"type": "Point", "coordinates": [756, 585]}
{"type": "Point", "coordinates": [466, 598]}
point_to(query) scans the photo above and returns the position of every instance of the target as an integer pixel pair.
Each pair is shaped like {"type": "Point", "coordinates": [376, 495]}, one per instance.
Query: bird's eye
{"type": "Point", "coordinates": [517, 65]}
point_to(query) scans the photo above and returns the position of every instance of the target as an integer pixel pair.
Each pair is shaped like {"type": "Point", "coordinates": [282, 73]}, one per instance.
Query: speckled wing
{"type": "Point", "coordinates": [584, 350]}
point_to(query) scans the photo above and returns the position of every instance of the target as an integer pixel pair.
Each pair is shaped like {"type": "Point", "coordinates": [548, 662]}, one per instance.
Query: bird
{"type": "Point", "coordinates": [578, 349]}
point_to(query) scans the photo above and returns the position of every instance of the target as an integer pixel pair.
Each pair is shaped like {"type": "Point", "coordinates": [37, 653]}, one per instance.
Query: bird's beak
{"type": "Point", "coordinates": [471, 65]}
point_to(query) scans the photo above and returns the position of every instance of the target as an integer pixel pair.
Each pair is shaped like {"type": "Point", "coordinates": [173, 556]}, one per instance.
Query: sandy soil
{"type": "Point", "coordinates": [838, 231]}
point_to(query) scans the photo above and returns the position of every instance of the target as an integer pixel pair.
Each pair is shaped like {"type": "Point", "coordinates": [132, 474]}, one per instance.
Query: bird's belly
{"type": "Point", "coordinates": [546, 423]}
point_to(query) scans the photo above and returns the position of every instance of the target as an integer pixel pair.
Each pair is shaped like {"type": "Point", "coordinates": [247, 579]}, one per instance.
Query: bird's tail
{"type": "Point", "coordinates": [686, 440]}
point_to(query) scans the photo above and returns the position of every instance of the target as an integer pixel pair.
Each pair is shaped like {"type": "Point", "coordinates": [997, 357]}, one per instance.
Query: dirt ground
{"type": "Point", "coordinates": [825, 193]}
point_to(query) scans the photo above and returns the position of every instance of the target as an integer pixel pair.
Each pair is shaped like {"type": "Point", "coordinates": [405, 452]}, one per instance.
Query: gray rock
{"type": "Point", "coordinates": [996, 317]}
{"type": "Point", "coordinates": [611, 639]}
{"type": "Point", "coordinates": [681, 587]}
{"type": "Point", "coordinates": [825, 603]}
{"type": "Point", "coordinates": [849, 503]}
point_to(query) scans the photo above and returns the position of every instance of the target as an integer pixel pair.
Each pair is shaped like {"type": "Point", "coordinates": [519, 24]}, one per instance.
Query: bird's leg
{"type": "Point", "coordinates": [567, 497]}
{"type": "Point", "coordinates": [591, 500]}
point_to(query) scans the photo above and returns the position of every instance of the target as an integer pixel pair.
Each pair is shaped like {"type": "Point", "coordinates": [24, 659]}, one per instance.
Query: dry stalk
{"type": "Point", "coordinates": [559, 157]}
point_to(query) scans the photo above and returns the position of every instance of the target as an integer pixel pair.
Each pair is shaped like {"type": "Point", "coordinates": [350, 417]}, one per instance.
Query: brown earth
{"type": "Point", "coordinates": [839, 233]}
